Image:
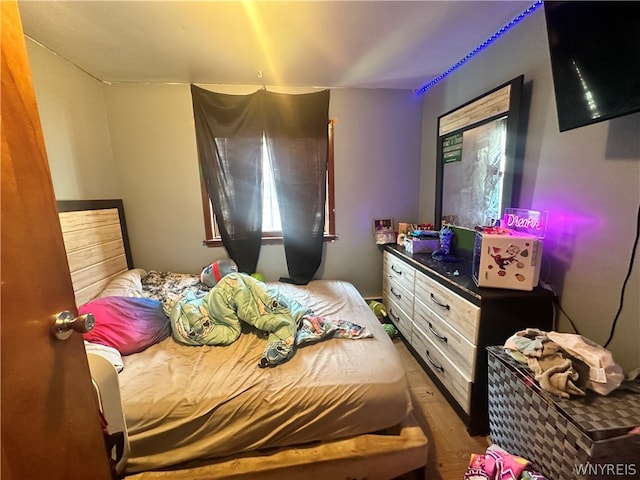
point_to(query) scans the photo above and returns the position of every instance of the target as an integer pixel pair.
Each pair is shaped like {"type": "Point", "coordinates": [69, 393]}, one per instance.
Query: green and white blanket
{"type": "Point", "coordinates": [215, 318]}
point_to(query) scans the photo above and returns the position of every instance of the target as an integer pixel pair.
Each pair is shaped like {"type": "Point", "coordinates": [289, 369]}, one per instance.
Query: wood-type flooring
{"type": "Point", "coordinates": [450, 446]}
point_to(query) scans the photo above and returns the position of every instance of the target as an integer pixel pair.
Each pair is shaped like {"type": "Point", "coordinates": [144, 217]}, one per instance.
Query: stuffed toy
{"type": "Point", "coordinates": [212, 274]}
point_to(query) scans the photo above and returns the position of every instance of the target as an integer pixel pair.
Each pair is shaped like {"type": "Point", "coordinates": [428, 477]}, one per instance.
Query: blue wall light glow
{"type": "Point", "coordinates": [482, 46]}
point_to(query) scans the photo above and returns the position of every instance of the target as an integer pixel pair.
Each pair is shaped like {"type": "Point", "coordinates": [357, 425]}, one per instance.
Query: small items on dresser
{"type": "Point", "coordinates": [383, 231]}
{"type": "Point", "coordinates": [443, 254]}
{"type": "Point", "coordinates": [421, 241]}
{"type": "Point", "coordinates": [503, 258]}
{"type": "Point", "coordinates": [508, 254]}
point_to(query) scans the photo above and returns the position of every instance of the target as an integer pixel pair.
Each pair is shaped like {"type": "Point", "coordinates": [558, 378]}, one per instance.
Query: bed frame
{"type": "Point", "coordinates": [97, 245]}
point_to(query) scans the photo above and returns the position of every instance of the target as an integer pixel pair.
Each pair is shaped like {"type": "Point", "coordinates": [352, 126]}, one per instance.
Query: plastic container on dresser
{"type": "Point", "coordinates": [565, 439]}
{"type": "Point", "coordinates": [448, 322]}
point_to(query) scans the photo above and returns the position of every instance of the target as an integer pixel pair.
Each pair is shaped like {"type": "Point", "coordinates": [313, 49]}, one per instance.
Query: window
{"type": "Point", "coordinates": [271, 227]}
{"type": "Point", "coordinates": [270, 211]}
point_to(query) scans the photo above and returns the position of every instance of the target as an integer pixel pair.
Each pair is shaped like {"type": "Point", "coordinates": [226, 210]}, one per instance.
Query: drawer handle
{"type": "Point", "coordinates": [393, 267]}
{"type": "Point", "coordinates": [394, 316]}
{"type": "Point", "coordinates": [434, 364]}
{"type": "Point", "coordinates": [440, 304]}
{"type": "Point", "coordinates": [442, 338]}
{"type": "Point", "coordinates": [397, 295]}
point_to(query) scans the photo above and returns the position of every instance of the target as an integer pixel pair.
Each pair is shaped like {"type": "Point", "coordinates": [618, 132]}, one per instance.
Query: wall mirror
{"type": "Point", "coordinates": [477, 169]}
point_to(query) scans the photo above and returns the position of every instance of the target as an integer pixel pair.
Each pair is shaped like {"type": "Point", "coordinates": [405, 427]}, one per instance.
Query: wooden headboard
{"type": "Point", "coordinates": [96, 242]}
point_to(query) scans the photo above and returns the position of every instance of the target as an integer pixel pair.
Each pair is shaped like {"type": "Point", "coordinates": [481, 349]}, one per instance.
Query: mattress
{"type": "Point", "coordinates": [183, 402]}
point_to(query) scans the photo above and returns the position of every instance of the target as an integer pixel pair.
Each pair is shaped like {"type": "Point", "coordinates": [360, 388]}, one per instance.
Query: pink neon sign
{"type": "Point", "coordinates": [530, 221]}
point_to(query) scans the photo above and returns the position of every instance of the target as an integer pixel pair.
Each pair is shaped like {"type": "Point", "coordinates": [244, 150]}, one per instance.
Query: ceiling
{"type": "Point", "coordinates": [356, 44]}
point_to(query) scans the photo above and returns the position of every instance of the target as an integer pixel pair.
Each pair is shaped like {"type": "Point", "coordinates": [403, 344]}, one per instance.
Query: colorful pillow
{"type": "Point", "coordinates": [125, 323]}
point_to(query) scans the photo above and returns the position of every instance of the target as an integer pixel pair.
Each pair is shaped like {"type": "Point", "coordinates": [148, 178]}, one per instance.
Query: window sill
{"type": "Point", "coordinates": [217, 242]}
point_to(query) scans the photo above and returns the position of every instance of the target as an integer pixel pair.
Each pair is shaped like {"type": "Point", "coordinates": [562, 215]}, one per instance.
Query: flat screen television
{"type": "Point", "coordinates": [595, 59]}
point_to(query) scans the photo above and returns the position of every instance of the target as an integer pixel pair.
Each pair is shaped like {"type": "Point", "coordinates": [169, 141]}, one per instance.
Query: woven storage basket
{"type": "Point", "coordinates": [578, 438]}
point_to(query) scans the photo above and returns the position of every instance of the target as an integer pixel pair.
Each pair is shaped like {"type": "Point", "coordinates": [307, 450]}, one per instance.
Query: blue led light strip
{"type": "Point", "coordinates": [482, 46]}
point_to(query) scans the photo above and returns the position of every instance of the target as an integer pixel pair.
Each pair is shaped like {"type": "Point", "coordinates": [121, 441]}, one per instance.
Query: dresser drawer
{"type": "Point", "coordinates": [398, 272]}
{"type": "Point", "coordinates": [460, 351]}
{"type": "Point", "coordinates": [400, 318]}
{"type": "Point", "coordinates": [397, 293]}
{"type": "Point", "coordinates": [399, 302]}
{"type": "Point", "coordinates": [459, 313]}
{"type": "Point", "coordinates": [453, 379]}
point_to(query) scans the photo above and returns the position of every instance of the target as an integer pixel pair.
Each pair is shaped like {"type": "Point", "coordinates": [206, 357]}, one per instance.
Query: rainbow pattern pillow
{"type": "Point", "coordinates": [127, 324]}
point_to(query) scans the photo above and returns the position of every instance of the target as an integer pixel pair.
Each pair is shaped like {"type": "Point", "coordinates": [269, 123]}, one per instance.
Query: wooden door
{"type": "Point", "coordinates": [49, 420]}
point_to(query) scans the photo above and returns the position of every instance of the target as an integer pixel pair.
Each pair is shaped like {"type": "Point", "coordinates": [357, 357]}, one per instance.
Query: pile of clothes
{"type": "Point", "coordinates": [566, 364]}
{"type": "Point", "coordinates": [498, 464]}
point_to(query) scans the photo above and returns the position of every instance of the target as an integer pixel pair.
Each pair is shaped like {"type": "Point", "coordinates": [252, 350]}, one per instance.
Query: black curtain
{"type": "Point", "coordinates": [229, 132]}
{"type": "Point", "coordinates": [296, 129]}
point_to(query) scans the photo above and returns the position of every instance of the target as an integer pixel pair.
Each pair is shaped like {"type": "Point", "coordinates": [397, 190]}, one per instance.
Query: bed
{"type": "Point", "coordinates": [339, 408]}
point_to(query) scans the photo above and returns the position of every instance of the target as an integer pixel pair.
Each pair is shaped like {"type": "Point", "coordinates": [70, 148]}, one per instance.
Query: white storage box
{"type": "Point", "coordinates": [507, 260]}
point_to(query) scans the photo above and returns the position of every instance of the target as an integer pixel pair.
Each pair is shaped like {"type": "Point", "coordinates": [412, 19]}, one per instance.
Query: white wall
{"type": "Point", "coordinates": [377, 132]}
{"type": "Point", "coordinates": [588, 179]}
{"type": "Point", "coordinates": [151, 163]}
{"type": "Point", "coordinates": [75, 128]}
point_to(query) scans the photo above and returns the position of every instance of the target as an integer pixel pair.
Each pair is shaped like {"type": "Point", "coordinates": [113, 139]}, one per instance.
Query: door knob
{"type": "Point", "coordinates": [66, 324]}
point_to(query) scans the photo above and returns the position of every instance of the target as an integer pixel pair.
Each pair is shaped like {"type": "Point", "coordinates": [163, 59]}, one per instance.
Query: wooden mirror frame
{"type": "Point", "coordinates": [502, 101]}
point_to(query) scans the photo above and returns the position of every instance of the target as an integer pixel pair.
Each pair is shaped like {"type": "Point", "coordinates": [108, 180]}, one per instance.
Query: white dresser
{"type": "Point", "coordinates": [448, 322]}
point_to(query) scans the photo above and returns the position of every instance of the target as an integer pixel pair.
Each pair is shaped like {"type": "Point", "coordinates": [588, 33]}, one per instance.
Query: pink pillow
{"type": "Point", "coordinates": [125, 323]}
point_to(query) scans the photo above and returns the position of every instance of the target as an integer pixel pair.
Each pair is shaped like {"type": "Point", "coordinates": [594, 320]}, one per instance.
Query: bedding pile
{"type": "Point", "coordinates": [216, 317]}
{"type": "Point", "coordinates": [185, 401]}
